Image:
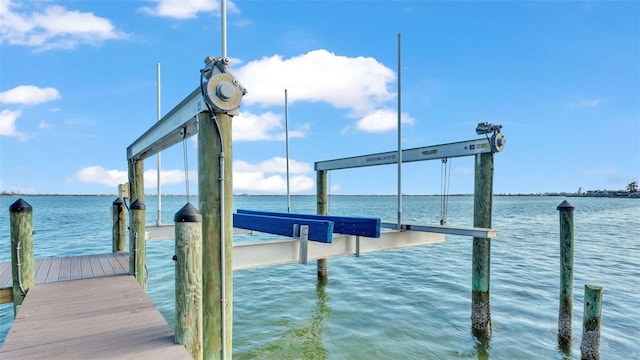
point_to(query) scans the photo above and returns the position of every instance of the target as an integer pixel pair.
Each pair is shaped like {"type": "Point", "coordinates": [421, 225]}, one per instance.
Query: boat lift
{"type": "Point", "coordinates": [294, 249]}
{"type": "Point", "coordinates": [189, 117]}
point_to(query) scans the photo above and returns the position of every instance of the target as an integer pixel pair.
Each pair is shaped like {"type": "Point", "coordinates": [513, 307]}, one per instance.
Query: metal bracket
{"type": "Point", "coordinates": [302, 235]}
{"type": "Point", "coordinates": [223, 91]}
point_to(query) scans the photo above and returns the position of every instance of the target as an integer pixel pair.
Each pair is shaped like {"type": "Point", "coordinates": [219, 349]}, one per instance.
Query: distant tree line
{"type": "Point", "coordinates": [631, 190]}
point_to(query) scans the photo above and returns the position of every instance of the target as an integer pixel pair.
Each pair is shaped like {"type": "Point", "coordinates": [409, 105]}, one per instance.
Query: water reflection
{"type": "Point", "coordinates": [483, 345]}
{"type": "Point", "coordinates": [299, 342]}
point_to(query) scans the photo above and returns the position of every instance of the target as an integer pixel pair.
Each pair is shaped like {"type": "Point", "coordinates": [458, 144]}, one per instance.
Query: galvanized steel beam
{"type": "Point", "coordinates": [170, 129]}
{"type": "Point", "coordinates": [457, 149]}
{"type": "Point", "coordinates": [277, 252]}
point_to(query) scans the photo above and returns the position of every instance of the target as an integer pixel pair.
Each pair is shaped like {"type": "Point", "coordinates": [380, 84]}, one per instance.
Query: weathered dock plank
{"type": "Point", "coordinates": [49, 270]}
{"type": "Point", "coordinates": [65, 269]}
{"type": "Point", "coordinates": [120, 262]}
{"type": "Point", "coordinates": [85, 268]}
{"type": "Point", "coordinates": [107, 318]}
{"type": "Point", "coordinates": [42, 270]}
{"type": "Point", "coordinates": [96, 266]}
{"type": "Point", "coordinates": [107, 269]}
{"type": "Point", "coordinates": [76, 270]}
{"type": "Point", "coordinates": [54, 271]}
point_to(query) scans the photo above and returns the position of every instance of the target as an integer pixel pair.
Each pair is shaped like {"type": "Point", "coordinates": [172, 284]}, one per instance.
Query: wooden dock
{"type": "Point", "coordinates": [106, 318]}
{"type": "Point", "coordinates": [87, 307]}
{"type": "Point", "coordinates": [49, 270]}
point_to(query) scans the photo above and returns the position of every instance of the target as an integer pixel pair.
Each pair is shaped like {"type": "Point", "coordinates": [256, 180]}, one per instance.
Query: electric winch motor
{"type": "Point", "coordinates": [223, 92]}
{"type": "Point", "coordinates": [497, 140]}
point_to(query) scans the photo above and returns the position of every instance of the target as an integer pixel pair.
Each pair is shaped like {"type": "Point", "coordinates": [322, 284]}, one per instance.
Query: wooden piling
{"type": "Point", "coordinates": [119, 230]}
{"type": "Point", "coordinates": [137, 243]}
{"type": "Point", "coordinates": [566, 273]}
{"type": "Point", "coordinates": [22, 261]}
{"type": "Point", "coordinates": [322, 208]}
{"type": "Point", "coordinates": [216, 204]}
{"type": "Point", "coordinates": [136, 180]}
{"type": "Point", "coordinates": [137, 239]}
{"type": "Point", "coordinates": [483, 192]}
{"type": "Point", "coordinates": [592, 318]}
{"type": "Point", "coordinates": [188, 278]}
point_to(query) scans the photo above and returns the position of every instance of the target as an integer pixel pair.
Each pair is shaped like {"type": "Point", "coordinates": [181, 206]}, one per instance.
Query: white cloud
{"type": "Point", "coordinates": [257, 181]}
{"type": "Point", "coordinates": [585, 103]}
{"type": "Point", "coordinates": [185, 9]}
{"type": "Point", "coordinates": [8, 120]}
{"type": "Point", "coordinates": [167, 177]}
{"type": "Point", "coordinates": [359, 84]}
{"type": "Point", "coordinates": [98, 175]}
{"type": "Point", "coordinates": [250, 127]}
{"type": "Point", "coordinates": [54, 27]}
{"type": "Point", "coordinates": [274, 165]}
{"type": "Point", "coordinates": [383, 120]}
{"type": "Point", "coordinates": [266, 176]}
{"type": "Point", "coordinates": [29, 95]}
{"type": "Point", "coordinates": [266, 126]}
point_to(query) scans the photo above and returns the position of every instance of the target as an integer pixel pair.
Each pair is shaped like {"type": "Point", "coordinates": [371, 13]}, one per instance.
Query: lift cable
{"type": "Point", "coordinates": [445, 180]}
{"type": "Point", "coordinates": [186, 162]}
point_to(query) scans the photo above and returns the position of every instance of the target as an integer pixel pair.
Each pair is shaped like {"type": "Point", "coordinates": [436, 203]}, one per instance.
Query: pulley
{"type": "Point", "coordinates": [497, 140]}
{"type": "Point", "coordinates": [223, 92]}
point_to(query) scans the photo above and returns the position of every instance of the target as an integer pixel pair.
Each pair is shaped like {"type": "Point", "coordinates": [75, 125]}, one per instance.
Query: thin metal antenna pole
{"type": "Point", "coordinates": [399, 136]}
{"type": "Point", "coordinates": [223, 22]}
{"type": "Point", "coordinates": [223, 332]}
{"type": "Point", "coordinates": [159, 219]}
{"type": "Point", "coordinates": [286, 129]}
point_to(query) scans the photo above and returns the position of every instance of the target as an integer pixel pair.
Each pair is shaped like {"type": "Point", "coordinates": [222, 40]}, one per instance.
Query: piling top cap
{"type": "Point", "coordinates": [118, 201]}
{"type": "Point", "coordinates": [20, 205]}
{"type": "Point", "coordinates": [593, 287]}
{"type": "Point", "coordinates": [565, 206]}
{"type": "Point", "coordinates": [138, 205]}
{"type": "Point", "coordinates": [188, 213]}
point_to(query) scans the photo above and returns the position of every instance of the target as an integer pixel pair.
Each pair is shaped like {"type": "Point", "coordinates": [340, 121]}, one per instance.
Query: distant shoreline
{"type": "Point", "coordinates": [594, 195]}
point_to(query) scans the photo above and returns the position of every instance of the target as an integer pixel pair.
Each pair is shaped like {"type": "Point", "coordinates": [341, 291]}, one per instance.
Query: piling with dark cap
{"type": "Point", "coordinates": [137, 243]}
{"type": "Point", "coordinates": [566, 273]}
{"type": "Point", "coordinates": [119, 230]}
{"type": "Point", "coordinates": [22, 261]}
{"type": "Point", "coordinates": [188, 279]}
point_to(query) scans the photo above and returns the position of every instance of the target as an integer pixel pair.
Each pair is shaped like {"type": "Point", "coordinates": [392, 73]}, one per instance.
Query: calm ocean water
{"type": "Point", "coordinates": [401, 304]}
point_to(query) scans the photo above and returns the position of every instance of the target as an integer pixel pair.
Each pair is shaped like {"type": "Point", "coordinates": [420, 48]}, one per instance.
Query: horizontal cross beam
{"type": "Point", "coordinates": [451, 150]}
{"type": "Point", "coordinates": [169, 130]}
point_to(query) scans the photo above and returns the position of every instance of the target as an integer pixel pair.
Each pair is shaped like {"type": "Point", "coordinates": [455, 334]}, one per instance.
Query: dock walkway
{"type": "Point", "coordinates": [106, 318]}
{"type": "Point", "coordinates": [56, 269]}
{"type": "Point", "coordinates": [87, 307]}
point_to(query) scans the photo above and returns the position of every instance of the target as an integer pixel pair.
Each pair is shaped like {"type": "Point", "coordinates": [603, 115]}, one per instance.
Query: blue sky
{"type": "Point", "coordinates": [78, 85]}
